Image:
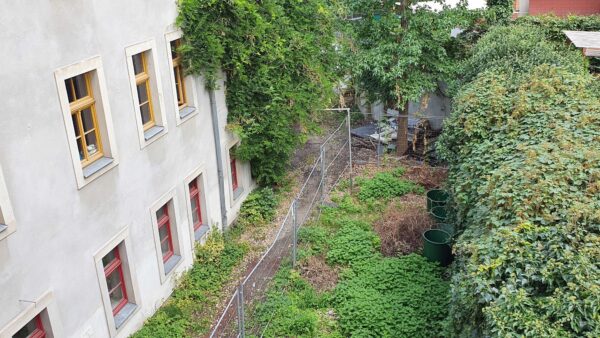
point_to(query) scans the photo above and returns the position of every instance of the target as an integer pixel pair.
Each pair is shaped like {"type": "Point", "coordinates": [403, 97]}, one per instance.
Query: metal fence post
{"type": "Point", "coordinates": [322, 172]}
{"type": "Point", "coordinates": [350, 148]}
{"type": "Point", "coordinates": [294, 229]}
{"type": "Point", "coordinates": [241, 310]}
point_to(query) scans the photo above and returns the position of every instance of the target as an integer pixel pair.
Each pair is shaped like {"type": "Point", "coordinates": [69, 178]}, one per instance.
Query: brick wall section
{"type": "Point", "coordinates": [564, 7]}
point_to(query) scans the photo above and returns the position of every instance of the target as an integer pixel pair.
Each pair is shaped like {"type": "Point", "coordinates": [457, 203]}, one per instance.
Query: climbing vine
{"type": "Point", "coordinates": [276, 60]}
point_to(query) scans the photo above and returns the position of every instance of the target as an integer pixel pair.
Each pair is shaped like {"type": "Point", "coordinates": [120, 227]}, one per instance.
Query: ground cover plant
{"type": "Point", "coordinates": [190, 309]}
{"type": "Point", "coordinates": [371, 295]}
{"type": "Point", "coordinates": [524, 155]}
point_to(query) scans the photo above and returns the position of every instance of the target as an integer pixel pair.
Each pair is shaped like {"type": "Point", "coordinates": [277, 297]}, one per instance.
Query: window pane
{"type": "Point", "coordinates": [138, 63]}
{"type": "Point", "coordinates": [87, 119]}
{"type": "Point", "coordinates": [80, 86]}
{"type": "Point", "coordinates": [145, 111]}
{"type": "Point", "coordinates": [115, 297]}
{"type": "Point", "coordinates": [111, 256]}
{"type": "Point", "coordinates": [142, 93]}
{"type": "Point", "coordinates": [165, 247]}
{"type": "Point", "coordinates": [92, 143]}
{"type": "Point", "coordinates": [174, 48]}
{"type": "Point", "coordinates": [76, 125]}
{"type": "Point", "coordinates": [161, 212]}
{"type": "Point", "coordinates": [28, 329]}
{"type": "Point", "coordinates": [195, 216]}
{"type": "Point", "coordinates": [163, 233]}
{"type": "Point", "coordinates": [68, 83]}
{"type": "Point", "coordinates": [80, 148]}
{"type": "Point", "coordinates": [113, 280]}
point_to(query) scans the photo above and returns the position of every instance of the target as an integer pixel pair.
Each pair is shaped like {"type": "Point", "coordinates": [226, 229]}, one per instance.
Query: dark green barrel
{"type": "Point", "coordinates": [437, 198]}
{"type": "Point", "coordinates": [439, 214]}
{"type": "Point", "coordinates": [447, 227]}
{"type": "Point", "coordinates": [436, 246]}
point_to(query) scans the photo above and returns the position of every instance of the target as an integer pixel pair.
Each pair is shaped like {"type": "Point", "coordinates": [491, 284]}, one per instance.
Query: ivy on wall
{"type": "Point", "coordinates": [278, 60]}
{"type": "Point", "coordinates": [523, 147]}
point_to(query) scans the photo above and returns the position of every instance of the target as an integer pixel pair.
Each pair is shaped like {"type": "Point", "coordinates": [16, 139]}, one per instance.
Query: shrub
{"type": "Point", "coordinates": [197, 291]}
{"type": "Point", "coordinates": [259, 208]}
{"type": "Point", "coordinates": [522, 144]}
{"type": "Point", "coordinates": [315, 236]}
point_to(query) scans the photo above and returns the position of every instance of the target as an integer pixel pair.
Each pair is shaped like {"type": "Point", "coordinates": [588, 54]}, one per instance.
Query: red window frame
{"type": "Point", "coordinates": [39, 331]}
{"type": "Point", "coordinates": [195, 201]}
{"type": "Point", "coordinates": [234, 178]}
{"type": "Point", "coordinates": [164, 221]}
{"type": "Point", "coordinates": [116, 266]}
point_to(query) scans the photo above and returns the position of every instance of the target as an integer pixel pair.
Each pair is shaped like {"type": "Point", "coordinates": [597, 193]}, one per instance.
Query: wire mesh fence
{"type": "Point", "coordinates": [333, 160]}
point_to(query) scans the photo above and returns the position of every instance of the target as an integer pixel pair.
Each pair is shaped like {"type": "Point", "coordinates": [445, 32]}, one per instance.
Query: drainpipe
{"type": "Point", "coordinates": [217, 135]}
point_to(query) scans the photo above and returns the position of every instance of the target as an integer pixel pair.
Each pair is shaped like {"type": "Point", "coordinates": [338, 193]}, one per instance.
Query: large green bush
{"type": "Point", "coordinates": [524, 153]}
{"type": "Point", "coordinates": [278, 61]}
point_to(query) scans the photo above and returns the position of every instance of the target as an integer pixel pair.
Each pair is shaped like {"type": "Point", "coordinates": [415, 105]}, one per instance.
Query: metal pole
{"type": "Point", "coordinates": [241, 310]}
{"type": "Point", "coordinates": [350, 147]}
{"type": "Point", "coordinates": [378, 141]}
{"type": "Point", "coordinates": [322, 172]}
{"type": "Point", "coordinates": [294, 225]}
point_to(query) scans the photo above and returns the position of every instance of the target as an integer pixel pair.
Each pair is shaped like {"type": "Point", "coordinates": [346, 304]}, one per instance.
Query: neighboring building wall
{"type": "Point", "coordinates": [51, 264]}
{"type": "Point", "coordinates": [563, 7]}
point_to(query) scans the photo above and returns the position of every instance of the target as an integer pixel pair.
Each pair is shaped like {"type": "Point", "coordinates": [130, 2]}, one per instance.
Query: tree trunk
{"type": "Point", "coordinates": [402, 133]}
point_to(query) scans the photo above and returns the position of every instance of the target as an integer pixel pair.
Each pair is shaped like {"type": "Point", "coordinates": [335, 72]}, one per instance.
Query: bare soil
{"type": "Point", "coordinates": [320, 275]}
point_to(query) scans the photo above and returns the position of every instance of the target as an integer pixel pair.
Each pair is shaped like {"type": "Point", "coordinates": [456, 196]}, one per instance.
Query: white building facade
{"type": "Point", "coordinates": [113, 164]}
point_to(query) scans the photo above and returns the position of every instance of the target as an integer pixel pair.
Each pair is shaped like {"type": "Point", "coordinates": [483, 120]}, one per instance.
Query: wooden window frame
{"type": "Point", "coordinates": [165, 221]}
{"type": "Point", "coordinates": [140, 78]}
{"type": "Point", "coordinates": [194, 191]}
{"type": "Point", "coordinates": [112, 266]}
{"type": "Point", "coordinates": [179, 77]}
{"type": "Point", "coordinates": [77, 107]}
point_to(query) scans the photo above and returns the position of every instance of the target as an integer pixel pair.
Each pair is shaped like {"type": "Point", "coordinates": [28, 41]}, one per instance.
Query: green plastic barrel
{"type": "Point", "coordinates": [447, 227]}
{"type": "Point", "coordinates": [439, 214]}
{"type": "Point", "coordinates": [436, 246]}
{"type": "Point", "coordinates": [437, 198]}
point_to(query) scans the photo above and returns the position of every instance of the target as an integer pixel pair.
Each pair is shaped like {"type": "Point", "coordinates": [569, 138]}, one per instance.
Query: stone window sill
{"type": "Point", "coordinates": [202, 230]}
{"type": "Point", "coordinates": [150, 133]}
{"type": "Point", "coordinates": [95, 167]}
{"type": "Point", "coordinates": [237, 193]}
{"type": "Point", "coordinates": [171, 263]}
{"type": "Point", "coordinates": [186, 111]}
{"type": "Point", "coordinates": [124, 314]}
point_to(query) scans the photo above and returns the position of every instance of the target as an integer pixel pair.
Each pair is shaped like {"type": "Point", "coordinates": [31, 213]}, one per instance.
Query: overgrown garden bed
{"type": "Point", "coordinates": [344, 285]}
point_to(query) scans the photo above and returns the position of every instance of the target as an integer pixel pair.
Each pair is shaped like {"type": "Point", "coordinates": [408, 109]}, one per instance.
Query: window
{"type": "Point", "coordinates": [33, 329]}
{"type": "Point", "coordinates": [115, 281]}
{"type": "Point", "coordinates": [195, 204]}
{"type": "Point", "coordinates": [178, 73]}
{"type": "Point", "coordinates": [146, 90]}
{"type": "Point", "coordinates": [234, 174]}
{"type": "Point", "coordinates": [85, 122]}
{"type": "Point", "coordinates": [7, 219]}
{"type": "Point", "coordinates": [165, 218]}
{"type": "Point", "coordinates": [184, 87]}
{"type": "Point", "coordinates": [142, 83]}
{"type": "Point", "coordinates": [164, 233]}
{"type": "Point", "coordinates": [198, 216]}
{"type": "Point", "coordinates": [86, 113]}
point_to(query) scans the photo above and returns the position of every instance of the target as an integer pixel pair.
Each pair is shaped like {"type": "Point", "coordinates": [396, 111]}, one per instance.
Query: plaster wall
{"type": "Point", "coordinates": [59, 227]}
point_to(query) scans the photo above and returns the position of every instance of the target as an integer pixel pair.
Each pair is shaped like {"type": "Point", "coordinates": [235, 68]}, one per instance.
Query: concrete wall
{"type": "Point", "coordinates": [434, 106]}
{"type": "Point", "coordinates": [59, 228]}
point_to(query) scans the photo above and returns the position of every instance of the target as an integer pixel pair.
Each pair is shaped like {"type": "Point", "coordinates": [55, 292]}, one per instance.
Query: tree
{"type": "Point", "coordinates": [400, 52]}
